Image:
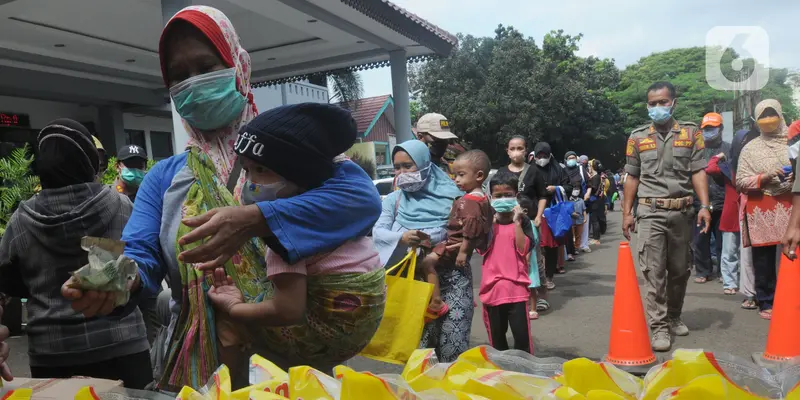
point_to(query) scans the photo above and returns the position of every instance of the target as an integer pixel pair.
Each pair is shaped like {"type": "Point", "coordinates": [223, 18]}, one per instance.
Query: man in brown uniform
{"type": "Point", "coordinates": [664, 162]}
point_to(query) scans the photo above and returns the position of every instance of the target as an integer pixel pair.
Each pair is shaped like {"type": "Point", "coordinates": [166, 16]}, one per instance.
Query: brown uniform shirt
{"type": "Point", "coordinates": [665, 163]}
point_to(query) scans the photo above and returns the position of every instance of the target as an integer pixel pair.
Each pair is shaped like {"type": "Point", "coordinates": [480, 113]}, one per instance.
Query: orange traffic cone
{"type": "Point", "coordinates": [783, 341]}
{"type": "Point", "coordinates": [629, 344]}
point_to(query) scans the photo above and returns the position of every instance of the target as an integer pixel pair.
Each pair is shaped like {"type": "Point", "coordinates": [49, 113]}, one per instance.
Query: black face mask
{"type": "Point", "coordinates": [438, 148]}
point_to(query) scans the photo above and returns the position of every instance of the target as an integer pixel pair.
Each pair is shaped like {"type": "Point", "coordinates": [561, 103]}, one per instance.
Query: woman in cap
{"type": "Point", "coordinates": [207, 72]}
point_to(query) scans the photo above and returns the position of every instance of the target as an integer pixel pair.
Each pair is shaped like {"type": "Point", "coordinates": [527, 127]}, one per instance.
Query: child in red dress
{"type": "Point", "coordinates": [468, 226]}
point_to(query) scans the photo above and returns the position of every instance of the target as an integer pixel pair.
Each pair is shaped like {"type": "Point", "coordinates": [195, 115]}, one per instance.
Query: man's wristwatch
{"type": "Point", "coordinates": [710, 208]}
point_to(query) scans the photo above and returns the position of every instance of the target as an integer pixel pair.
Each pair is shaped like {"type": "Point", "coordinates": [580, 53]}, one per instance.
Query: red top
{"type": "Point", "coordinates": [729, 221]}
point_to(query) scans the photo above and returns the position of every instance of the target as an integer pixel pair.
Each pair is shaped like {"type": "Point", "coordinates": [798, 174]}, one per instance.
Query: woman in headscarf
{"type": "Point", "coordinates": [555, 178]}
{"type": "Point", "coordinates": [186, 214]}
{"type": "Point", "coordinates": [413, 216]}
{"type": "Point", "coordinates": [765, 182]}
{"type": "Point", "coordinates": [42, 246]}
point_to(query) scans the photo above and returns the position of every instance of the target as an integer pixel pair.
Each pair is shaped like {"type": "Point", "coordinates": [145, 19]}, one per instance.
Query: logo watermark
{"type": "Point", "coordinates": [752, 45]}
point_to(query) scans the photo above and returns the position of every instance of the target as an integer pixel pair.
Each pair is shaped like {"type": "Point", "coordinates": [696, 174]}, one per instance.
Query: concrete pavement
{"type": "Point", "coordinates": [579, 320]}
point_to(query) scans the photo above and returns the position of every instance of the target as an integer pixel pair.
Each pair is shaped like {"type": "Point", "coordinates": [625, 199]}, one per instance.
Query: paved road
{"type": "Point", "coordinates": [578, 322]}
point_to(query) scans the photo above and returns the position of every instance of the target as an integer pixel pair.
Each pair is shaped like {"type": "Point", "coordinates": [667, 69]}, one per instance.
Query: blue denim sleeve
{"type": "Point", "coordinates": [346, 206]}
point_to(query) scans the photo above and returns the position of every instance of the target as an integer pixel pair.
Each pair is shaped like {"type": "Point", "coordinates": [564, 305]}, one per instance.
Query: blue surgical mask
{"type": "Point", "coordinates": [660, 114]}
{"type": "Point", "coordinates": [256, 193]}
{"type": "Point", "coordinates": [209, 101]}
{"type": "Point", "coordinates": [572, 163]}
{"type": "Point", "coordinates": [132, 176]}
{"type": "Point", "coordinates": [710, 134]}
{"type": "Point", "coordinates": [504, 205]}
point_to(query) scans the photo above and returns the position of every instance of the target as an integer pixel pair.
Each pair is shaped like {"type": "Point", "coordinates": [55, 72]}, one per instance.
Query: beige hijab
{"type": "Point", "coordinates": [766, 153]}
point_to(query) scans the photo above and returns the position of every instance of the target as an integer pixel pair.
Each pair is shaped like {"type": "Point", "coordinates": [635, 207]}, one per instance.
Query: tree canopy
{"type": "Point", "coordinates": [492, 88]}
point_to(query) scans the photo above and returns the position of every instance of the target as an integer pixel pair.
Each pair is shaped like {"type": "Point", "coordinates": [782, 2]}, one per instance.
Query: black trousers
{"type": "Point", "coordinates": [597, 217]}
{"type": "Point", "coordinates": [498, 318]}
{"type": "Point", "coordinates": [133, 370]}
{"type": "Point", "coordinates": [701, 244]}
{"type": "Point", "coordinates": [569, 241]}
{"type": "Point", "coordinates": [550, 262]}
{"type": "Point", "coordinates": [766, 275]}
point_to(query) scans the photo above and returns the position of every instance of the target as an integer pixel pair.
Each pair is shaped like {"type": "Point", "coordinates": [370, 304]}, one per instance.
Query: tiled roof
{"type": "Point", "coordinates": [427, 25]}
{"type": "Point", "coordinates": [365, 110]}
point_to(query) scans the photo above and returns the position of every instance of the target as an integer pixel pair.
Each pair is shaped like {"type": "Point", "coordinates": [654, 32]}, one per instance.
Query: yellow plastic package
{"type": "Point", "coordinates": [584, 375]}
{"type": "Point", "coordinates": [308, 383]}
{"type": "Point", "coordinates": [23, 394]}
{"type": "Point", "coordinates": [266, 377]}
{"type": "Point", "coordinates": [708, 387]}
{"type": "Point", "coordinates": [217, 388]}
{"type": "Point", "coordinates": [256, 395]}
{"type": "Point", "coordinates": [744, 380]}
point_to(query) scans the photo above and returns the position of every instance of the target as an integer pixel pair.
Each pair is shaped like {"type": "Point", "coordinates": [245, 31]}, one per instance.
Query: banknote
{"type": "Point", "coordinates": [108, 269]}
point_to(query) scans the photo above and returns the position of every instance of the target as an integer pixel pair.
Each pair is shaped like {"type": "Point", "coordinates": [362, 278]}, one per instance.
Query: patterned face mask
{"type": "Point", "coordinates": [413, 181]}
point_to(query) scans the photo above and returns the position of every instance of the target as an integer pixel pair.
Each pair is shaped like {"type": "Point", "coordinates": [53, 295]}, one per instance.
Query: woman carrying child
{"type": "Point", "coordinates": [505, 281]}
{"type": "Point", "coordinates": [416, 213]}
{"type": "Point", "coordinates": [323, 309]}
{"type": "Point", "coordinates": [468, 225]}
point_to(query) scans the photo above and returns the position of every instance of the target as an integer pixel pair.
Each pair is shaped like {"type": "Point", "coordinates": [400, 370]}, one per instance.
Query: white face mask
{"type": "Point", "coordinates": [413, 181]}
{"type": "Point", "coordinates": [255, 193]}
{"type": "Point", "coordinates": [542, 161]}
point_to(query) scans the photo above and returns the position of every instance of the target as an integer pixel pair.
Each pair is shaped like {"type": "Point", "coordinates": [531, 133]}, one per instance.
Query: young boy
{"type": "Point", "coordinates": [468, 225]}
{"type": "Point", "coordinates": [504, 282]}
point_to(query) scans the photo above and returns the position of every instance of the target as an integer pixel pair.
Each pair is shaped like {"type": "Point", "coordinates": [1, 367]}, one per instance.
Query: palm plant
{"type": "Point", "coordinates": [18, 183]}
{"type": "Point", "coordinates": [345, 87]}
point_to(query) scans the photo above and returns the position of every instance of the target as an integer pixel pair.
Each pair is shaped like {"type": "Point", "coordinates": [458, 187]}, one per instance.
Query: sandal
{"type": "Point", "coordinates": [532, 315]}
{"type": "Point", "coordinates": [765, 314]}
{"type": "Point", "coordinates": [570, 258]}
{"type": "Point", "coordinates": [542, 305]}
{"type": "Point", "coordinates": [701, 279]}
{"type": "Point", "coordinates": [432, 314]}
{"type": "Point", "coordinates": [550, 285]}
{"type": "Point", "coordinates": [729, 292]}
{"type": "Point", "coordinates": [749, 304]}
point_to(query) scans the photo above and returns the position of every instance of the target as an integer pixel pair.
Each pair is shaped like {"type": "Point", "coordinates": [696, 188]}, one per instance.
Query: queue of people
{"type": "Point", "coordinates": [233, 227]}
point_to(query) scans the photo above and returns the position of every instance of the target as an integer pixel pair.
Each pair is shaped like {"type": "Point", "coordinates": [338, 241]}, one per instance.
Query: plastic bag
{"type": "Point", "coordinates": [401, 327]}
{"type": "Point", "coordinates": [108, 269]}
{"type": "Point", "coordinates": [18, 394]}
{"type": "Point", "coordinates": [744, 380]}
{"type": "Point", "coordinates": [584, 375]}
{"type": "Point", "coordinates": [217, 388]}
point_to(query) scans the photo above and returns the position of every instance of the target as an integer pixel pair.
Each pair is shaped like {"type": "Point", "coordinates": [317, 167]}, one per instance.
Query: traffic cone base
{"type": "Point", "coordinates": [783, 341]}
{"type": "Point", "coordinates": [629, 342]}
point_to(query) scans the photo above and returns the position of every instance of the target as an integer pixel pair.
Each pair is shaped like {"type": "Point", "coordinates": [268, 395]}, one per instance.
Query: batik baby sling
{"type": "Point", "coordinates": [192, 350]}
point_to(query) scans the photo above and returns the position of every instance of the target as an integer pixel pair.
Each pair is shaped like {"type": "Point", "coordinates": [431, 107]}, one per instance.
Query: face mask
{"type": "Point", "coordinates": [516, 155]}
{"type": "Point", "coordinates": [572, 163]}
{"type": "Point", "coordinates": [413, 181]}
{"type": "Point", "coordinates": [542, 161]}
{"type": "Point", "coordinates": [209, 101]}
{"type": "Point", "coordinates": [255, 193]}
{"type": "Point", "coordinates": [660, 114]}
{"type": "Point", "coordinates": [504, 205]}
{"type": "Point", "coordinates": [132, 176]}
{"type": "Point", "coordinates": [769, 124]}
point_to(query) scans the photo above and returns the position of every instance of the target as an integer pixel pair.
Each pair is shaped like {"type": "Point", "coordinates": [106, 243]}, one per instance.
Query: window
{"type": "Point", "coordinates": [161, 143]}
{"type": "Point", "coordinates": [136, 137]}
{"type": "Point", "coordinates": [380, 154]}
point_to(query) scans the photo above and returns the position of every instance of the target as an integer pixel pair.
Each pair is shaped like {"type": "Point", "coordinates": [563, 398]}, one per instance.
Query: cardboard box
{"type": "Point", "coordinates": [52, 389]}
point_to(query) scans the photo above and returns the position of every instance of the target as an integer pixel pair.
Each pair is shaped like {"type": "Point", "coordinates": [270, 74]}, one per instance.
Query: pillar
{"type": "Point", "coordinates": [402, 109]}
{"type": "Point", "coordinates": [111, 128]}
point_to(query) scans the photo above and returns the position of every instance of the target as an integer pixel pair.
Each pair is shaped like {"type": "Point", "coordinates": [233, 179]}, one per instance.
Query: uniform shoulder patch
{"type": "Point", "coordinates": [629, 147]}
{"type": "Point", "coordinates": [699, 142]}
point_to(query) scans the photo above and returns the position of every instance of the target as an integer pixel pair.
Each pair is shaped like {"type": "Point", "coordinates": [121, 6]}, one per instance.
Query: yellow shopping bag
{"type": "Point", "coordinates": [403, 318]}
